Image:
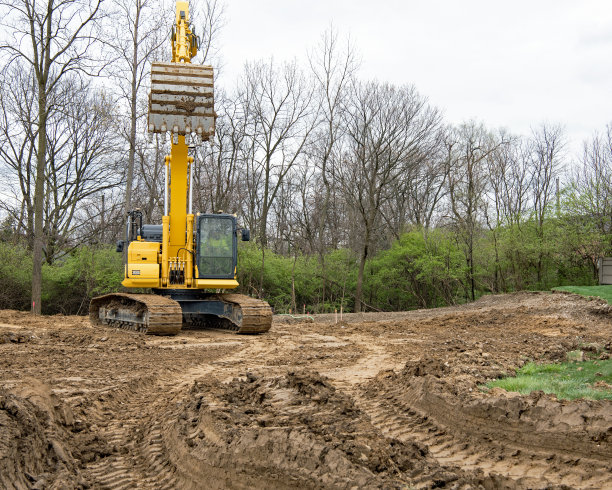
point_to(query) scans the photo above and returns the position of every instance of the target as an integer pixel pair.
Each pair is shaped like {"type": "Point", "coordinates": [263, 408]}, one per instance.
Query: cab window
{"type": "Point", "coordinates": [216, 258]}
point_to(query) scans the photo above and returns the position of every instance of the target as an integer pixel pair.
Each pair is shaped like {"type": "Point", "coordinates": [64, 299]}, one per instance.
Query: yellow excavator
{"type": "Point", "coordinates": [187, 256]}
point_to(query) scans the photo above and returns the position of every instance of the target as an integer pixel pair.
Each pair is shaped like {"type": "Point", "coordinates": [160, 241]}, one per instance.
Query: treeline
{"type": "Point", "coordinates": [419, 270]}
{"type": "Point", "coordinates": [358, 193]}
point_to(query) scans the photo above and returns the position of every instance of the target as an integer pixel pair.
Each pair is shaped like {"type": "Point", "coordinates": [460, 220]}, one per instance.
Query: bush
{"type": "Point", "coordinates": [418, 271]}
{"type": "Point", "coordinates": [15, 276]}
{"type": "Point", "coordinates": [71, 282]}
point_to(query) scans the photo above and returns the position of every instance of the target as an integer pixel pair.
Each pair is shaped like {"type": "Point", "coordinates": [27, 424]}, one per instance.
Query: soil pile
{"type": "Point", "coordinates": [41, 444]}
{"type": "Point", "coordinates": [390, 400]}
{"type": "Point", "coordinates": [506, 433]}
{"type": "Point", "coordinates": [295, 429]}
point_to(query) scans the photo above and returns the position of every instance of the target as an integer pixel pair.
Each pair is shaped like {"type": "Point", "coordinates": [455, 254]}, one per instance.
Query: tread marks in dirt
{"type": "Point", "coordinates": [428, 426]}
{"type": "Point", "coordinates": [295, 430]}
{"type": "Point", "coordinates": [518, 437]}
{"type": "Point", "coordinates": [291, 430]}
{"type": "Point", "coordinates": [42, 445]}
{"type": "Point", "coordinates": [135, 458]}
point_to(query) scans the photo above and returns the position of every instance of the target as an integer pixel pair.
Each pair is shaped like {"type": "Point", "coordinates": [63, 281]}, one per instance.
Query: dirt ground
{"type": "Point", "coordinates": [377, 401]}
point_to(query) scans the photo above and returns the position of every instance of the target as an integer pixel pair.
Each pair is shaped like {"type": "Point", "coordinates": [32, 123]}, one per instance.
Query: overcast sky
{"type": "Point", "coordinates": [512, 64]}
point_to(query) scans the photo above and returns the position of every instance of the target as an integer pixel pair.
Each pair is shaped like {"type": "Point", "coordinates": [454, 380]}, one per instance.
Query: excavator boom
{"type": "Point", "coordinates": [188, 255]}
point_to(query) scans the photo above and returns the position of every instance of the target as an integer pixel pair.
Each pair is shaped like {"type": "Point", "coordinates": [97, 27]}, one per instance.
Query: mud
{"type": "Point", "coordinates": [389, 400]}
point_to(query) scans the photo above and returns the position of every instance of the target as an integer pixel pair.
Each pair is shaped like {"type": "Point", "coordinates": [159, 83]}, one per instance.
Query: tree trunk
{"type": "Point", "coordinates": [39, 202]}
{"type": "Point", "coordinates": [261, 277]}
{"type": "Point", "coordinates": [132, 150]}
{"type": "Point", "coordinates": [471, 261]}
{"type": "Point", "coordinates": [358, 292]}
{"type": "Point", "coordinates": [324, 279]}
{"type": "Point", "coordinates": [293, 303]}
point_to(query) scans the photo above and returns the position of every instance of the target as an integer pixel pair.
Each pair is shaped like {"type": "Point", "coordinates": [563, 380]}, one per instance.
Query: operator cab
{"type": "Point", "coordinates": [217, 245]}
{"type": "Point", "coordinates": [216, 242]}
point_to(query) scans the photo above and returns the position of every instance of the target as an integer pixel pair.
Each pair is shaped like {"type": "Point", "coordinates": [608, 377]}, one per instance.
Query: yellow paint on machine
{"type": "Point", "coordinates": [148, 281]}
{"type": "Point", "coordinates": [143, 252]}
{"type": "Point", "coordinates": [142, 276]}
{"type": "Point", "coordinates": [217, 283]}
{"type": "Point", "coordinates": [178, 196]}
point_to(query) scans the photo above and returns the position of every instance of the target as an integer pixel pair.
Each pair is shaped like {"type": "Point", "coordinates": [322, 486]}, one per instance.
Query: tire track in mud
{"type": "Point", "coordinates": [496, 454]}
{"type": "Point", "coordinates": [411, 426]}
{"type": "Point", "coordinates": [119, 422]}
{"type": "Point", "coordinates": [135, 424]}
{"type": "Point", "coordinates": [500, 462]}
{"type": "Point", "coordinates": [140, 457]}
{"type": "Point", "coordinates": [322, 405]}
{"type": "Point", "coordinates": [164, 450]}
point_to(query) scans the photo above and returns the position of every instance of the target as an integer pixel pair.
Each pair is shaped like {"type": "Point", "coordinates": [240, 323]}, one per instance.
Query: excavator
{"type": "Point", "coordinates": [189, 258]}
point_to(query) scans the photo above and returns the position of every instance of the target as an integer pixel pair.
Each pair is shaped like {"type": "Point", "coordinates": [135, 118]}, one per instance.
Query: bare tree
{"type": "Point", "coordinates": [278, 102]}
{"type": "Point", "coordinates": [422, 187]}
{"type": "Point", "coordinates": [149, 184]}
{"type": "Point", "coordinates": [470, 146]}
{"type": "Point", "coordinates": [100, 218]}
{"type": "Point", "coordinates": [54, 37]}
{"type": "Point", "coordinates": [210, 15]}
{"type": "Point", "coordinates": [592, 181]}
{"type": "Point", "coordinates": [588, 201]}
{"type": "Point", "coordinates": [280, 121]}
{"type": "Point", "coordinates": [81, 163]}
{"type": "Point", "coordinates": [387, 126]}
{"type": "Point", "coordinates": [500, 167]}
{"type": "Point", "coordinates": [513, 161]}
{"type": "Point", "coordinates": [18, 147]}
{"type": "Point", "coordinates": [334, 68]}
{"type": "Point", "coordinates": [138, 34]}
{"type": "Point", "coordinates": [218, 170]}
{"type": "Point", "coordinates": [546, 164]}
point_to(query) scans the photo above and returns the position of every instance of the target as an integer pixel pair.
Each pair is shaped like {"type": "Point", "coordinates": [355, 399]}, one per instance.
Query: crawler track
{"type": "Point", "coordinates": [256, 314]}
{"type": "Point", "coordinates": [147, 313]}
{"type": "Point", "coordinates": [160, 315]}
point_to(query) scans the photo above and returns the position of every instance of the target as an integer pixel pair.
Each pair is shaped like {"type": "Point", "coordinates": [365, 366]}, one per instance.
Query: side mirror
{"type": "Point", "coordinates": [120, 246]}
{"type": "Point", "coordinates": [246, 235]}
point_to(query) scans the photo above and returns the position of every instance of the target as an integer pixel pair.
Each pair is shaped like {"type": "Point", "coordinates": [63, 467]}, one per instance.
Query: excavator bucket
{"type": "Point", "coordinates": [181, 99]}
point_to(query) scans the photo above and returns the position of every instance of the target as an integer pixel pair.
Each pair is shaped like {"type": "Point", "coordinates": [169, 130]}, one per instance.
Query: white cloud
{"type": "Point", "coordinates": [512, 64]}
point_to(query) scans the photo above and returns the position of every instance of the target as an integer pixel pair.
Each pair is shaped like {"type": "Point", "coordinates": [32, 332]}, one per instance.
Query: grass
{"type": "Point", "coordinates": [604, 292]}
{"type": "Point", "coordinates": [569, 380]}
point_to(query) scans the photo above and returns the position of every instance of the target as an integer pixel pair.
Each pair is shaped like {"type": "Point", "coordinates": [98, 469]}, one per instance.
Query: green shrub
{"type": "Point", "coordinates": [15, 276]}
{"type": "Point", "coordinates": [70, 283]}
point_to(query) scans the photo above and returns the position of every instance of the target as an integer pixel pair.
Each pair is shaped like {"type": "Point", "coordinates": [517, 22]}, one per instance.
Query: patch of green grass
{"type": "Point", "coordinates": [604, 292]}
{"type": "Point", "coordinates": [569, 380]}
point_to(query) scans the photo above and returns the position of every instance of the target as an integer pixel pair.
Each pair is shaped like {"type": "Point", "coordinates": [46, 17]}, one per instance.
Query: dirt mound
{"type": "Point", "coordinates": [41, 444]}
{"type": "Point", "coordinates": [424, 367]}
{"type": "Point", "coordinates": [378, 401]}
{"type": "Point", "coordinates": [17, 336]}
{"type": "Point", "coordinates": [510, 431]}
{"type": "Point", "coordinates": [292, 430]}
{"type": "Point", "coordinates": [295, 430]}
